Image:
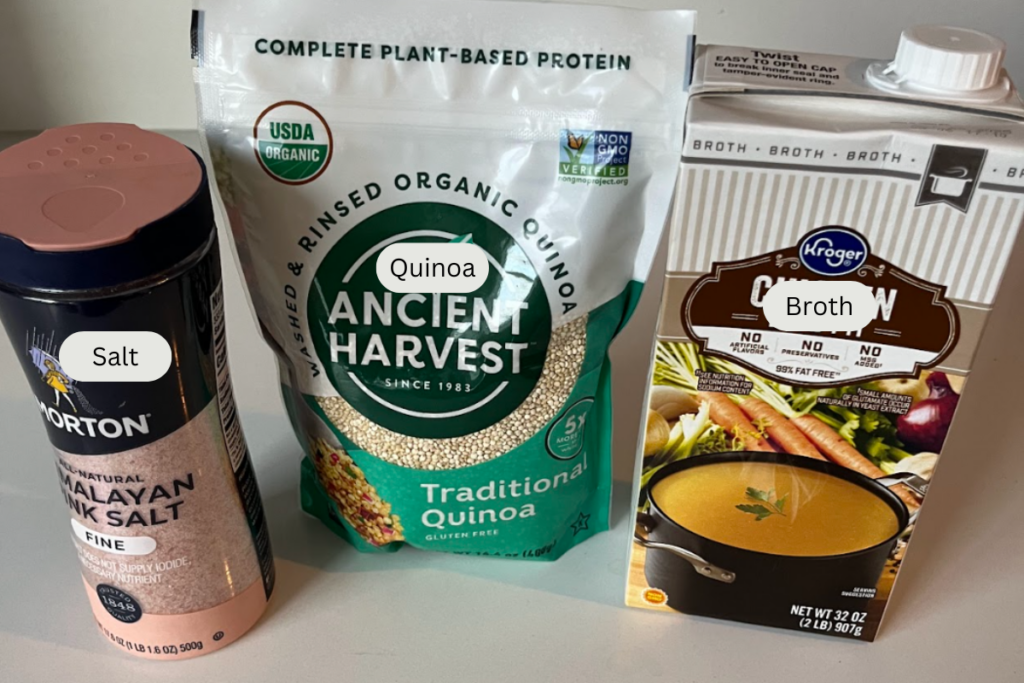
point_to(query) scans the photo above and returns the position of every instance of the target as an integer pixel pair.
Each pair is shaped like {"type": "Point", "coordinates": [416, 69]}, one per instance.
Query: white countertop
{"type": "Point", "coordinates": [336, 615]}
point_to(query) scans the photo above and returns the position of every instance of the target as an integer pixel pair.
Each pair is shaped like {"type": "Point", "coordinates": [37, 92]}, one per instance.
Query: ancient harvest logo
{"type": "Point", "coordinates": [429, 365]}
{"type": "Point", "coordinates": [833, 251]}
{"type": "Point", "coordinates": [594, 153]}
{"type": "Point", "coordinates": [293, 142]}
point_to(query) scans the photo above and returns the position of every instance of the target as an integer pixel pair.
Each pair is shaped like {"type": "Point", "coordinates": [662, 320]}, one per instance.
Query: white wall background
{"type": "Point", "coordinates": [66, 61]}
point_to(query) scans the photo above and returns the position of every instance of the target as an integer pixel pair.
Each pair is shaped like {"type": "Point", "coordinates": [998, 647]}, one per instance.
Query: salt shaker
{"type": "Point", "coordinates": [107, 239]}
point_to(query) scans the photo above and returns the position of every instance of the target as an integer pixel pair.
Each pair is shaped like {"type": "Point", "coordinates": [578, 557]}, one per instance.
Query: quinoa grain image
{"type": "Point", "coordinates": [355, 497]}
{"type": "Point", "coordinates": [561, 369]}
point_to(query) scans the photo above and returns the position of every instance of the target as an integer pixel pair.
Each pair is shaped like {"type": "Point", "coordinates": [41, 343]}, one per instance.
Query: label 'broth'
{"type": "Point", "coordinates": [776, 509]}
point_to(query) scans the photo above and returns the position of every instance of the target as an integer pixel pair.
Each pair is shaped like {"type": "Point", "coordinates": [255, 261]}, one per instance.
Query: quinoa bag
{"type": "Point", "coordinates": [546, 135]}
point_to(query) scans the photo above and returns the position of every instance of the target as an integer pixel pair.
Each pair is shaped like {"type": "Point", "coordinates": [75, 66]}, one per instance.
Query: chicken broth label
{"type": "Point", "coordinates": [915, 325]}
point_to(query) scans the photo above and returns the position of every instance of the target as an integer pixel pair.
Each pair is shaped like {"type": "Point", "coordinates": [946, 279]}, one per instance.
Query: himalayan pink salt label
{"type": "Point", "coordinates": [161, 532]}
{"type": "Point", "coordinates": [177, 493]}
{"type": "Point", "coordinates": [165, 512]}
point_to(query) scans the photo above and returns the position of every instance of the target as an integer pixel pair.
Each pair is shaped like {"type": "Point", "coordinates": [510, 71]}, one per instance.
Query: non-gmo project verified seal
{"type": "Point", "coordinates": [594, 156]}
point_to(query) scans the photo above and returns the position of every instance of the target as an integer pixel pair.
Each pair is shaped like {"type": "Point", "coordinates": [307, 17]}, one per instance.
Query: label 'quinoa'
{"type": "Point", "coordinates": [477, 422]}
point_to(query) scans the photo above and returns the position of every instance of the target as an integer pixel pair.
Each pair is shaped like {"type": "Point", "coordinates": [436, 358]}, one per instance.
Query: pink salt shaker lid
{"type": "Point", "coordinates": [93, 190]}
{"type": "Point", "coordinates": [92, 185]}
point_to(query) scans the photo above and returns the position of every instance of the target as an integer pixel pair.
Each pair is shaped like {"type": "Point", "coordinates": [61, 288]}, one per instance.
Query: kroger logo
{"type": "Point", "coordinates": [833, 251]}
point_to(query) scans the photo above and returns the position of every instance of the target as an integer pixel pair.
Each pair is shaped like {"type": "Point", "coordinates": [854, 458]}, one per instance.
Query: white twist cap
{"type": "Point", "coordinates": [949, 60]}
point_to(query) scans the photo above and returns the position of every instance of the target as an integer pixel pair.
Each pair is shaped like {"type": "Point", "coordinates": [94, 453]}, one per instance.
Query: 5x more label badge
{"type": "Point", "coordinates": [566, 435]}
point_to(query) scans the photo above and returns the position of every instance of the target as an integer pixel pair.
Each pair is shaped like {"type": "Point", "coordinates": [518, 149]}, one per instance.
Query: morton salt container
{"type": "Point", "coordinates": [108, 230]}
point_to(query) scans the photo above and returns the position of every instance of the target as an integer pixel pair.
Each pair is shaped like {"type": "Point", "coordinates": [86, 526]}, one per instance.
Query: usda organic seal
{"type": "Point", "coordinates": [293, 142]}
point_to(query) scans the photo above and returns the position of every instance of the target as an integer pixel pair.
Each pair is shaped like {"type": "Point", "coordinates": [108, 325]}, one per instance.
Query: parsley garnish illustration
{"type": "Point", "coordinates": [765, 506]}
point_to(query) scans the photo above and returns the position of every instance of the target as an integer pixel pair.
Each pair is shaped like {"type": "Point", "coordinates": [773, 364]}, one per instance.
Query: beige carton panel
{"type": "Point", "coordinates": [727, 213]}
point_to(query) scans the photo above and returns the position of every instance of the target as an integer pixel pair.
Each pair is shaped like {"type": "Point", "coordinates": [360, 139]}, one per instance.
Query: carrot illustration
{"type": "Point", "coordinates": [779, 428]}
{"type": "Point", "coordinates": [729, 417]}
{"type": "Point", "coordinates": [842, 453]}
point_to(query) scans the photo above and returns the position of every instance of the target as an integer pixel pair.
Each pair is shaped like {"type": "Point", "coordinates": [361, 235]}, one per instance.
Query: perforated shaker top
{"type": "Point", "coordinates": [98, 205]}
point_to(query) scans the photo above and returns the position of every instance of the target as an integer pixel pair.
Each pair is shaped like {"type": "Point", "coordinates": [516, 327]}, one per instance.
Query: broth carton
{"type": "Point", "coordinates": [781, 473]}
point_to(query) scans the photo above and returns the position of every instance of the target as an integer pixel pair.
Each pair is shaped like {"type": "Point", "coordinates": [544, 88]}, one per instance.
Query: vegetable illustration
{"type": "Point", "coordinates": [922, 464]}
{"type": "Point", "coordinates": [915, 388]}
{"type": "Point", "coordinates": [842, 453]}
{"type": "Point", "coordinates": [776, 416]}
{"type": "Point", "coordinates": [689, 435]}
{"type": "Point", "coordinates": [671, 402]}
{"type": "Point", "coordinates": [657, 433]}
{"type": "Point", "coordinates": [782, 431]}
{"type": "Point", "coordinates": [926, 424]}
{"type": "Point", "coordinates": [725, 413]}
